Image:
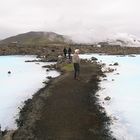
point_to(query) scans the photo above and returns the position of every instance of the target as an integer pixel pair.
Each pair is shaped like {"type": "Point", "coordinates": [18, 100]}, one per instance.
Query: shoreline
{"type": "Point", "coordinates": [31, 116]}
{"type": "Point", "coordinates": [50, 52]}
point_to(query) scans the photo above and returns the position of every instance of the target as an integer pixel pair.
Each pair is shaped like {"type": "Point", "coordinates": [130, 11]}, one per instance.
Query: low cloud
{"type": "Point", "coordinates": [83, 20]}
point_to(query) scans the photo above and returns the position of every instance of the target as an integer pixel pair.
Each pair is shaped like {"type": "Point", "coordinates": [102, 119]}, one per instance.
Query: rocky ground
{"type": "Point", "coordinates": [65, 109]}
{"type": "Point", "coordinates": [51, 51]}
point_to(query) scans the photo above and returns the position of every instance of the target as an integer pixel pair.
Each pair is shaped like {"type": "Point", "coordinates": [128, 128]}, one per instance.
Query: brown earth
{"type": "Point", "coordinates": [65, 109]}
{"type": "Point", "coordinates": [51, 51]}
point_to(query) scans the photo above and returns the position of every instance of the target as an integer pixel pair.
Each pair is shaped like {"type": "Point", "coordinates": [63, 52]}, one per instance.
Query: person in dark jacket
{"type": "Point", "coordinates": [65, 52]}
{"type": "Point", "coordinates": [69, 53]}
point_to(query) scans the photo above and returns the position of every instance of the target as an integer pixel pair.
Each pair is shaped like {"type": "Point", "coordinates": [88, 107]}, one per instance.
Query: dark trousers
{"type": "Point", "coordinates": [69, 55]}
{"type": "Point", "coordinates": [65, 55]}
{"type": "Point", "coordinates": [76, 70]}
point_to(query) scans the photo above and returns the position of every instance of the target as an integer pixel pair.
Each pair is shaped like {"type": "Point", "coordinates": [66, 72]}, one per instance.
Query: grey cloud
{"type": "Point", "coordinates": [83, 19]}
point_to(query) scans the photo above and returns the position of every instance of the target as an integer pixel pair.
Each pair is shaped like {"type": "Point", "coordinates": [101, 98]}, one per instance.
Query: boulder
{"type": "Point", "coordinates": [49, 77]}
{"type": "Point", "coordinates": [9, 72]}
{"type": "Point", "coordinates": [107, 98]}
{"type": "Point", "coordinates": [94, 59]}
{"type": "Point", "coordinates": [116, 64]}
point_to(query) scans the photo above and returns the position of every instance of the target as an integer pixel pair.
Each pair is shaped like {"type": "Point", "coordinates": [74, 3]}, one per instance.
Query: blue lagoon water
{"type": "Point", "coordinates": [123, 87]}
{"type": "Point", "coordinates": [25, 79]}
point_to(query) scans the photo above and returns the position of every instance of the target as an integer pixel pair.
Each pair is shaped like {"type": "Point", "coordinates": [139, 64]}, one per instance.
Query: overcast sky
{"type": "Point", "coordinates": [84, 19]}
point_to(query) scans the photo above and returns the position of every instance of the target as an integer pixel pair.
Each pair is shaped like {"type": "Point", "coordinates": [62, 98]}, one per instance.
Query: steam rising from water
{"type": "Point", "coordinates": [85, 20]}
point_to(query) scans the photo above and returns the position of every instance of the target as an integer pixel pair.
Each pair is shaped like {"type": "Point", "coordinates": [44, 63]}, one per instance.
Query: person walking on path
{"type": "Point", "coordinates": [69, 53]}
{"type": "Point", "coordinates": [76, 64]}
{"type": "Point", "coordinates": [65, 52]}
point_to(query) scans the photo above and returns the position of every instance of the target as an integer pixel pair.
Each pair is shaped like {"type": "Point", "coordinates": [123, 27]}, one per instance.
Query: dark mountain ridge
{"type": "Point", "coordinates": [36, 38]}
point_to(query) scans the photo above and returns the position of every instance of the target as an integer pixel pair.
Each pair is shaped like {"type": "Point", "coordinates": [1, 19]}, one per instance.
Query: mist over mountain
{"type": "Point", "coordinates": [36, 38]}
{"type": "Point", "coordinates": [124, 40]}
{"type": "Point", "coordinates": [113, 39]}
{"type": "Point", "coordinates": [43, 38]}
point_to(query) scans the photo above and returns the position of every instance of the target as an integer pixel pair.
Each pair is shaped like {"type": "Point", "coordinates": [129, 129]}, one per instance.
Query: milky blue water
{"type": "Point", "coordinates": [25, 79]}
{"type": "Point", "coordinates": [123, 86]}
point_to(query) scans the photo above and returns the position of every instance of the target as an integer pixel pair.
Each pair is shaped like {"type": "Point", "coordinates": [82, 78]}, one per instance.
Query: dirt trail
{"type": "Point", "coordinates": [65, 110]}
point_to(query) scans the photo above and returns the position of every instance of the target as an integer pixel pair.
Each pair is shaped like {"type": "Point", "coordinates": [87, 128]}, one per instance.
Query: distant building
{"type": "Point", "coordinates": [109, 44]}
{"type": "Point", "coordinates": [98, 45]}
{"type": "Point", "coordinates": [103, 44]}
